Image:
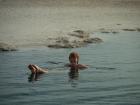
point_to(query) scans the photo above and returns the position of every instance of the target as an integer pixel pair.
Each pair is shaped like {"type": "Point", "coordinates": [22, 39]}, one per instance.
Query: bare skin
{"type": "Point", "coordinates": [74, 60]}
{"type": "Point", "coordinates": [36, 69]}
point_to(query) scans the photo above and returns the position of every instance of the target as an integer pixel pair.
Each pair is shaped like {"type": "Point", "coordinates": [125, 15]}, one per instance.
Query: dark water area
{"type": "Point", "coordinates": [113, 76]}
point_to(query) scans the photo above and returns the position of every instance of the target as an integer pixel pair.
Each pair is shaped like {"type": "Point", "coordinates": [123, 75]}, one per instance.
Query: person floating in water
{"type": "Point", "coordinates": [74, 62]}
{"type": "Point", "coordinates": [36, 69]}
{"type": "Point", "coordinates": [74, 68]}
{"type": "Point", "coordinates": [74, 65]}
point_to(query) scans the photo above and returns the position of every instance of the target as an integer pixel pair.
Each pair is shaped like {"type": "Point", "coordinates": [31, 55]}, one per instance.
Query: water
{"type": "Point", "coordinates": [113, 76]}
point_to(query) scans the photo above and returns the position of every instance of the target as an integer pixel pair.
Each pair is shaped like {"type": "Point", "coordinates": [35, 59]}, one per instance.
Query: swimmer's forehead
{"type": "Point", "coordinates": [73, 55]}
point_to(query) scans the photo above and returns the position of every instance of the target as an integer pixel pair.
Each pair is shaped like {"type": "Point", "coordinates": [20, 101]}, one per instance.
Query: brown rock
{"type": "Point", "coordinates": [129, 29]}
{"type": "Point", "coordinates": [7, 47]}
{"type": "Point", "coordinates": [93, 40]}
{"type": "Point", "coordinates": [79, 34]}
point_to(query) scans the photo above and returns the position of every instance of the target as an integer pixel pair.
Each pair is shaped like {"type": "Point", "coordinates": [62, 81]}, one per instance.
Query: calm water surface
{"type": "Point", "coordinates": [113, 76]}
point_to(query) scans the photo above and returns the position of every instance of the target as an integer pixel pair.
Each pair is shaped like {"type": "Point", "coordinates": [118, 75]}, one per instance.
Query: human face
{"type": "Point", "coordinates": [73, 60]}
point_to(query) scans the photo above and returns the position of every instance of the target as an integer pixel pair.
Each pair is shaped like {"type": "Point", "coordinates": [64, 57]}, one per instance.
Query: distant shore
{"type": "Point", "coordinates": [27, 23]}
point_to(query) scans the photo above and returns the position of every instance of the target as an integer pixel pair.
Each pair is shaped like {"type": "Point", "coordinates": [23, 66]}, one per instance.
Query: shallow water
{"type": "Point", "coordinates": [113, 76]}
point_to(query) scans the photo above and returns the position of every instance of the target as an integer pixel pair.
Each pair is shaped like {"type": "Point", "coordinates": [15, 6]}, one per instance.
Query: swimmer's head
{"type": "Point", "coordinates": [74, 58]}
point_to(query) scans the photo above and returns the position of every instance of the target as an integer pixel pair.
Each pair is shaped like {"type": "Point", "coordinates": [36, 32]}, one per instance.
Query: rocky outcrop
{"type": "Point", "coordinates": [138, 29]}
{"type": "Point", "coordinates": [79, 34]}
{"type": "Point", "coordinates": [129, 29]}
{"type": "Point", "coordinates": [7, 47]}
{"type": "Point", "coordinates": [93, 40]}
{"type": "Point", "coordinates": [65, 42]}
{"type": "Point", "coordinates": [74, 39]}
{"type": "Point", "coordinates": [106, 31]}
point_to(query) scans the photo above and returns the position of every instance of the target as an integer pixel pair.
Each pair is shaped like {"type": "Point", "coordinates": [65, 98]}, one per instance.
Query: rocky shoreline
{"type": "Point", "coordinates": [74, 39]}
{"type": "Point", "coordinates": [7, 47]}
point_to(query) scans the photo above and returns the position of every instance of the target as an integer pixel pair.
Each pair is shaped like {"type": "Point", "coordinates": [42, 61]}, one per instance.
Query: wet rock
{"type": "Point", "coordinates": [129, 29]}
{"type": "Point", "coordinates": [93, 40]}
{"type": "Point", "coordinates": [115, 32]}
{"type": "Point", "coordinates": [74, 43]}
{"type": "Point", "coordinates": [79, 34]}
{"type": "Point", "coordinates": [105, 32]}
{"type": "Point", "coordinates": [138, 29]}
{"type": "Point", "coordinates": [76, 39]}
{"type": "Point", "coordinates": [60, 42]}
{"type": "Point", "coordinates": [60, 46]}
{"type": "Point", "coordinates": [69, 45]}
{"type": "Point", "coordinates": [64, 42]}
{"type": "Point", "coordinates": [7, 47]}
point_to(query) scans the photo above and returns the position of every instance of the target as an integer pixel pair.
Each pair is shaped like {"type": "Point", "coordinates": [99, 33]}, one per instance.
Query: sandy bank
{"type": "Point", "coordinates": [27, 23]}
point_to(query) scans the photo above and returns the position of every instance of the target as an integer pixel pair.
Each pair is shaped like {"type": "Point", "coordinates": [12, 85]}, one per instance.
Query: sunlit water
{"type": "Point", "coordinates": [113, 76]}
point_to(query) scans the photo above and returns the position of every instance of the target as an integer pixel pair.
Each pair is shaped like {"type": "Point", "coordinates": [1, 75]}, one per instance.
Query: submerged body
{"type": "Point", "coordinates": [77, 66]}
{"type": "Point", "coordinates": [74, 66]}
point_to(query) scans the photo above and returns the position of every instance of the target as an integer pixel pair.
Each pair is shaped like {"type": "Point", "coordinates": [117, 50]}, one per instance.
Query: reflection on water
{"type": "Point", "coordinates": [73, 77]}
{"type": "Point", "coordinates": [34, 77]}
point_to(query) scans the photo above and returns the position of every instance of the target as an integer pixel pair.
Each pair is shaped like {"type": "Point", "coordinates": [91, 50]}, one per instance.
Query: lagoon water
{"type": "Point", "coordinates": [113, 76]}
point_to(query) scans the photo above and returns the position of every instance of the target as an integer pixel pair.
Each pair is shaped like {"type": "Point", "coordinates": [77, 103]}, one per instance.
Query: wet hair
{"type": "Point", "coordinates": [74, 55]}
